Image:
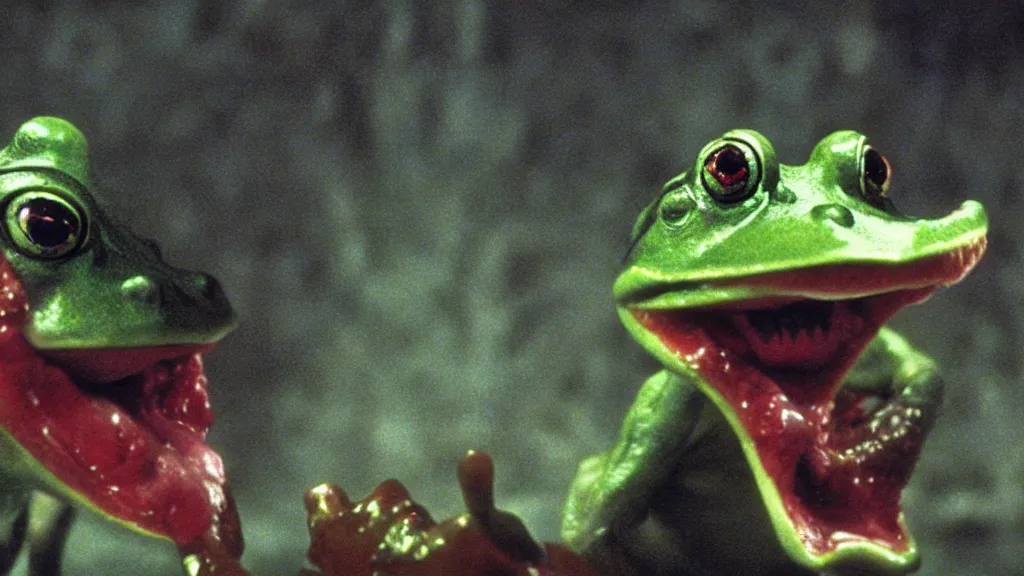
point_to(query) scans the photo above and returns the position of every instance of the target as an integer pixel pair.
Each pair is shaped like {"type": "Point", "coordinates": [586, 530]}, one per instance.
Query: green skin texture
{"type": "Point", "coordinates": [683, 490]}
{"type": "Point", "coordinates": [111, 291]}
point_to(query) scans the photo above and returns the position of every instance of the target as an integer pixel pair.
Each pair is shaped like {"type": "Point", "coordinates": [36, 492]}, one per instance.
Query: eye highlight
{"type": "Point", "coordinates": [876, 173]}
{"type": "Point", "coordinates": [730, 173]}
{"type": "Point", "coordinates": [44, 225]}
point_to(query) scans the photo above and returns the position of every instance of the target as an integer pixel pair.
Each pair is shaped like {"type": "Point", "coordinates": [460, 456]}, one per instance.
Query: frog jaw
{"type": "Point", "coordinates": [771, 353]}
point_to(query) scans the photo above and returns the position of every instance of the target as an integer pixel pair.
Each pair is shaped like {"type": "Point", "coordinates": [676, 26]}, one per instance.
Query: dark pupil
{"type": "Point", "coordinates": [728, 166]}
{"type": "Point", "coordinates": [47, 223]}
{"type": "Point", "coordinates": [875, 170]}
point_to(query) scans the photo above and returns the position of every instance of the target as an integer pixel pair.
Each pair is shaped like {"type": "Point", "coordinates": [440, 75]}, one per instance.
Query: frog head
{"type": "Point", "coordinates": [103, 400]}
{"type": "Point", "coordinates": [764, 283]}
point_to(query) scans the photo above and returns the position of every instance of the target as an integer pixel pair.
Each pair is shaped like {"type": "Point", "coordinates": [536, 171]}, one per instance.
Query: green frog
{"type": "Point", "coordinates": [103, 400]}
{"type": "Point", "coordinates": [787, 419]}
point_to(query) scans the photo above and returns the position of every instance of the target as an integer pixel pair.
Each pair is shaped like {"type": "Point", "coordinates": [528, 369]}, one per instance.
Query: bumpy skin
{"type": "Point", "coordinates": [88, 303]}
{"type": "Point", "coordinates": [788, 419]}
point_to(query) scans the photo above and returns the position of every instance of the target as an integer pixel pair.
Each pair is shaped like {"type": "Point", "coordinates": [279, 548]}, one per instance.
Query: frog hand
{"type": "Point", "coordinates": [611, 490]}
{"type": "Point", "coordinates": [872, 451]}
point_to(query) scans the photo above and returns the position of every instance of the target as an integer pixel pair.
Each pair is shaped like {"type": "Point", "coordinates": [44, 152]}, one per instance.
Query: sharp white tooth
{"type": "Point", "coordinates": [803, 340]}
{"type": "Point", "coordinates": [819, 335]}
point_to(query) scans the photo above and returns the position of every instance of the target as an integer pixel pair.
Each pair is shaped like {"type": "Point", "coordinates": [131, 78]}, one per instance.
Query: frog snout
{"type": "Point", "coordinates": [193, 290]}
{"type": "Point", "coordinates": [190, 299]}
{"type": "Point", "coordinates": [209, 289]}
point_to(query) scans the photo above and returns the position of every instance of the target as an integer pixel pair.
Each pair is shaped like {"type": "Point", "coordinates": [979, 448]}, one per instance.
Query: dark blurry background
{"type": "Point", "coordinates": [418, 209]}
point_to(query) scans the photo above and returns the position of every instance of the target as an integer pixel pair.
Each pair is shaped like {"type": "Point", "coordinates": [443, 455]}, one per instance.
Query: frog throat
{"type": "Point", "coordinates": [120, 431]}
{"type": "Point", "coordinates": [773, 363]}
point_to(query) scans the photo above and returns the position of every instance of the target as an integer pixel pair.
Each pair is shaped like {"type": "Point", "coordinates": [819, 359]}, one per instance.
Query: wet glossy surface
{"type": "Point", "coordinates": [388, 534]}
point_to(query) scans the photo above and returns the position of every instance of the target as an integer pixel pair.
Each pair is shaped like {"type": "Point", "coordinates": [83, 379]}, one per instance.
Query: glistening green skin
{"type": "Point", "coordinates": [764, 289]}
{"type": "Point", "coordinates": [102, 398]}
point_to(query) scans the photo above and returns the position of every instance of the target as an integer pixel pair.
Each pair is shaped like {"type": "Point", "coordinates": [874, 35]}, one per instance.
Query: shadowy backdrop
{"type": "Point", "coordinates": [418, 209]}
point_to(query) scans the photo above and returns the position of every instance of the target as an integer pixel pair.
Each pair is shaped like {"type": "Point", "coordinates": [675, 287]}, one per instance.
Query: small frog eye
{"type": "Point", "coordinates": [44, 225]}
{"type": "Point", "coordinates": [730, 173]}
{"type": "Point", "coordinates": [875, 175]}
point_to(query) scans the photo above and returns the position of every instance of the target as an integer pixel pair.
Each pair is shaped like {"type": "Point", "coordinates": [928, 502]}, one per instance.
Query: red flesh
{"type": "Point", "coordinates": [388, 534]}
{"type": "Point", "coordinates": [134, 448]}
{"type": "Point", "coordinates": [784, 393]}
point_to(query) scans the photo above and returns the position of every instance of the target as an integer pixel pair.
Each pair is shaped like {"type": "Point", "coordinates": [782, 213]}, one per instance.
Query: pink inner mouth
{"type": "Point", "coordinates": [783, 398]}
{"type": "Point", "coordinates": [838, 468]}
{"type": "Point", "coordinates": [134, 446]}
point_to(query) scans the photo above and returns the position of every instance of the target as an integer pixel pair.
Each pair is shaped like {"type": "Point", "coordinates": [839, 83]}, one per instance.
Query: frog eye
{"type": "Point", "coordinates": [730, 173]}
{"type": "Point", "coordinates": [44, 225]}
{"type": "Point", "coordinates": [875, 175]}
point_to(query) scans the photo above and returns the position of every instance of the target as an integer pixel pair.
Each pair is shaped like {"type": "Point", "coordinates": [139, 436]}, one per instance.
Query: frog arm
{"type": "Point", "coordinates": [890, 358]}
{"type": "Point", "coordinates": [13, 526]}
{"type": "Point", "coordinates": [49, 525]}
{"type": "Point", "coordinates": [611, 490]}
{"type": "Point", "coordinates": [910, 392]}
{"type": "Point", "coordinates": [893, 369]}
{"type": "Point", "coordinates": [39, 520]}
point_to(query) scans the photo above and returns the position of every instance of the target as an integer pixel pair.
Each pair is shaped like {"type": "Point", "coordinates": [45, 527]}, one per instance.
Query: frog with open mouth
{"type": "Point", "coordinates": [788, 419]}
{"type": "Point", "coordinates": [103, 400]}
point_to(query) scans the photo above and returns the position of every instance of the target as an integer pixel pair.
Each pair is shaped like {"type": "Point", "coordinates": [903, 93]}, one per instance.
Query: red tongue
{"type": "Point", "coordinates": [135, 461]}
{"type": "Point", "coordinates": [177, 396]}
{"type": "Point", "coordinates": [175, 406]}
{"type": "Point", "coordinates": [98, 436]}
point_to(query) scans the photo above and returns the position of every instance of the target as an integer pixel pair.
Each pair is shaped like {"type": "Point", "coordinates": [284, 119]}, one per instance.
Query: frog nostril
{"type": "Point", "coordinates": [209, 287]}
{"type": "Point", "coordinates": [834, 213]}
{"type": "Point", "coordinates": [141, 289]}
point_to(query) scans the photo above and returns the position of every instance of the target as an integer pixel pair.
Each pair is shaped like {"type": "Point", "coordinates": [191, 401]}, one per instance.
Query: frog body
{"type": "Point", "coordinates": [788, 418]}
{"type": "Point", "coordinates": [103, 400]}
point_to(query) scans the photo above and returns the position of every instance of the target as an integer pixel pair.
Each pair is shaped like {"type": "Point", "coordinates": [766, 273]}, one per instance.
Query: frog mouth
{"type": "Point", "coordinates": [122, 431]}
{"type": "Point", "coordinates": [830, 462]}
